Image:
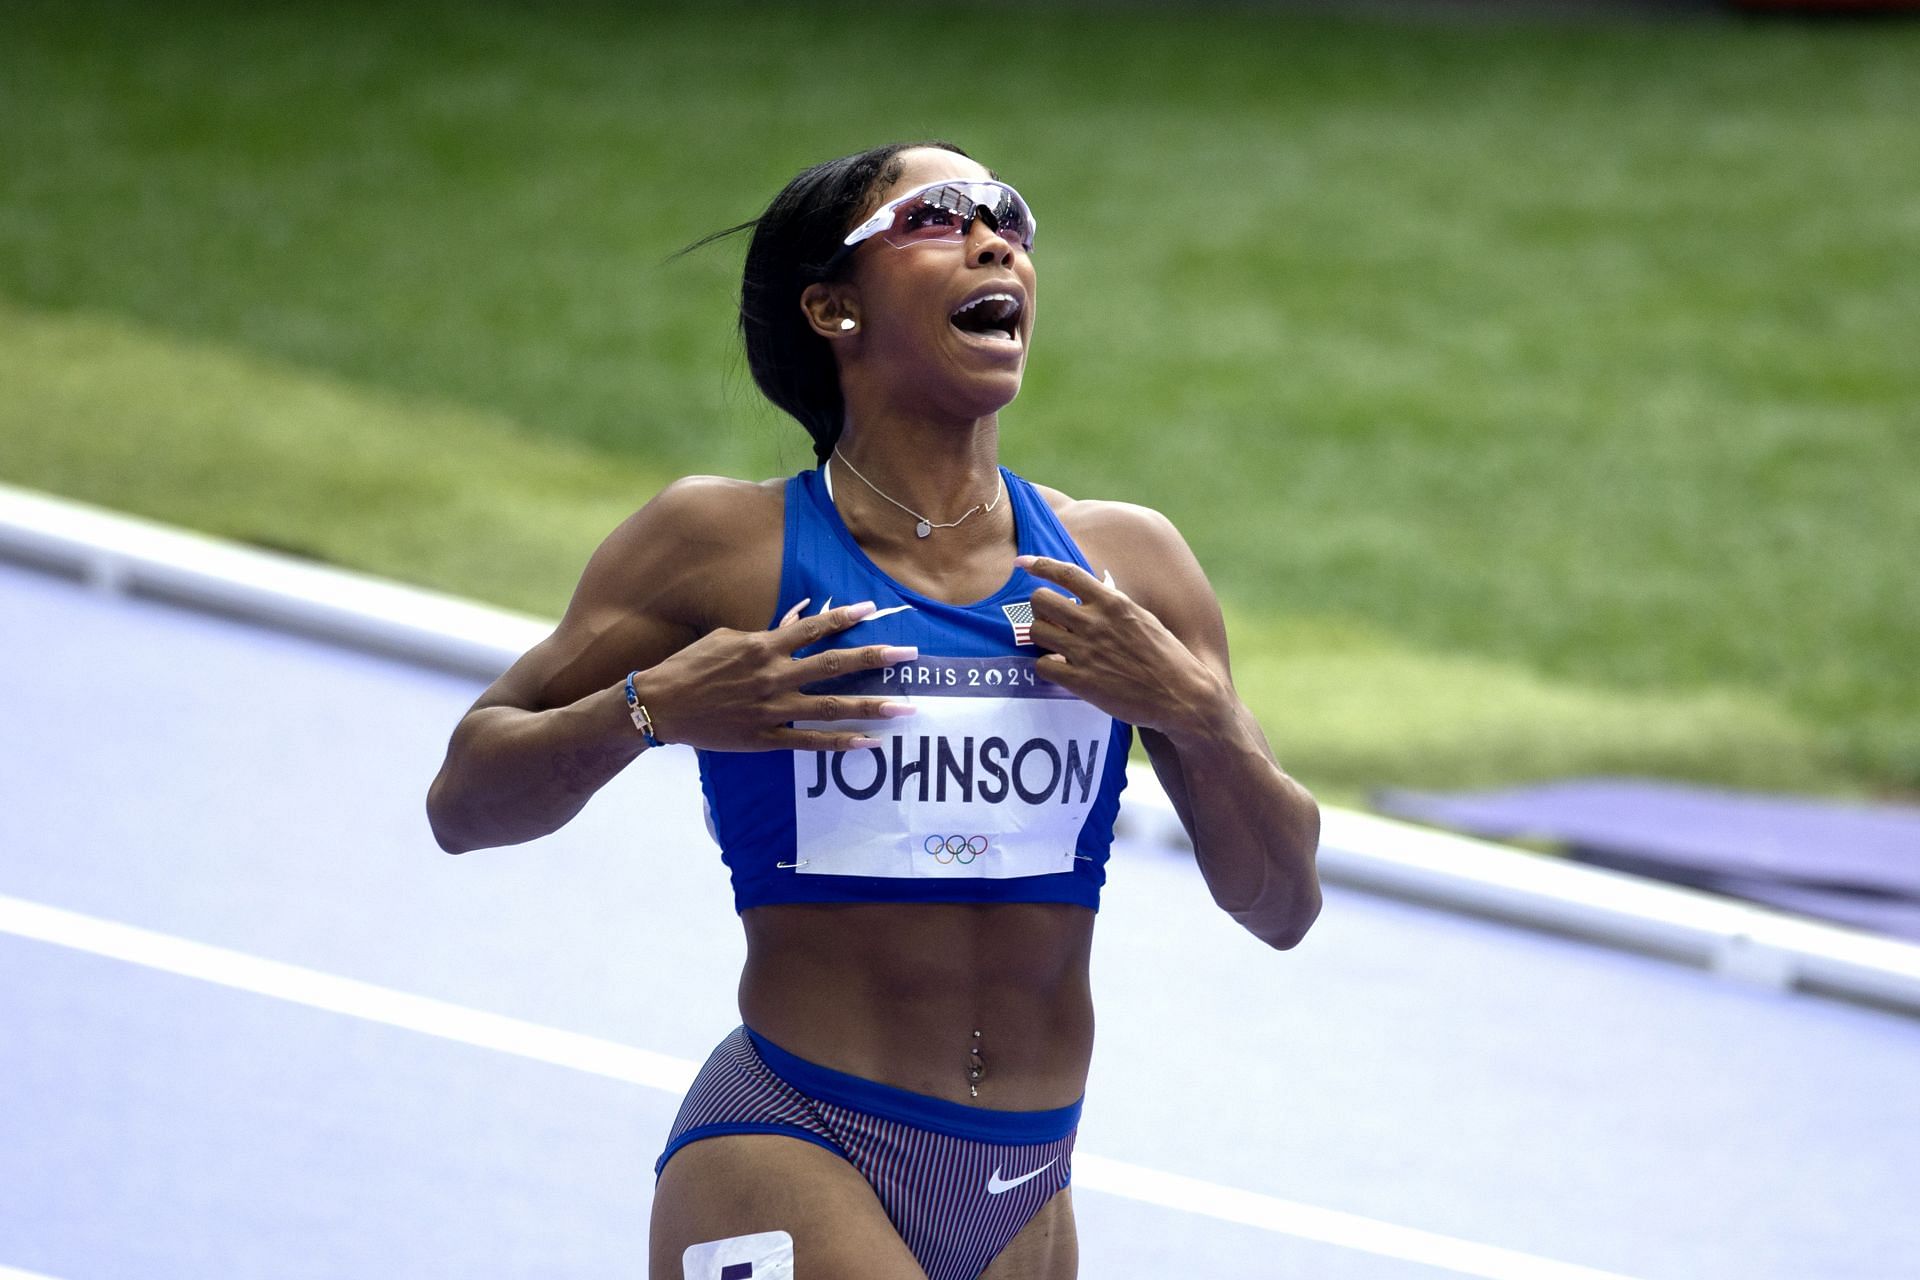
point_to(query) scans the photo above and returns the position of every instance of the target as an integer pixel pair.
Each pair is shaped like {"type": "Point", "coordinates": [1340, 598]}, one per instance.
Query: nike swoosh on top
{"type": "Point", "coordinates": [793, 614]}
{"type": "Point", "coordinates": [995, 1186]}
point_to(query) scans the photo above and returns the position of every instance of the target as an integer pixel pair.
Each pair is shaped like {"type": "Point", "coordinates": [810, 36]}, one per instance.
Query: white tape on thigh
{"type": "Point", "coordinates": [767, 1256]}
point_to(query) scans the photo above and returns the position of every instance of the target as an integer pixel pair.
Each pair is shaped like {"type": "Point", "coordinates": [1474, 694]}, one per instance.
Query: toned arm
{"type": "Point", "coordinates": [680, 593]}
{"type": "Point", "coordinates": [1154, 652]}
{"type": "Point", "coordinates": [554, 728]}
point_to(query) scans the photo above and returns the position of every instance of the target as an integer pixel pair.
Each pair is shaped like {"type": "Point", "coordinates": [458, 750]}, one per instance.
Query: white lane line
{"type": "Point", "coordinates": [1327, 1226]}
{"type": "Point", "coordinates": [344, 995]}
{"type": "Point", "coordinates": [523, 1039]}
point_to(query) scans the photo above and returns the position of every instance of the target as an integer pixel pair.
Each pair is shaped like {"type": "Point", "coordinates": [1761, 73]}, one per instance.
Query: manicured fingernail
{"type": "Point", "coordinates": [860, 610]}
{"type": "Point", "coordinates": [856, 743]}
{"type": "Point", "coordinates": [895, 710]}
{"type": "Point", "coordinates": [1025, 562]}
{"type": "Point", "coordinates": [899, 653]}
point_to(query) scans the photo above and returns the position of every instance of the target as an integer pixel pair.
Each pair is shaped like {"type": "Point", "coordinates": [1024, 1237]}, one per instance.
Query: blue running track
{"type": "Point", "coordinates": [300, 1061]}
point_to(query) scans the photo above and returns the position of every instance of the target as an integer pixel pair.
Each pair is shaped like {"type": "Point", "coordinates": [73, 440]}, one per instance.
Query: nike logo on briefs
{"type": "Point", "coordinates": [995, 1186]}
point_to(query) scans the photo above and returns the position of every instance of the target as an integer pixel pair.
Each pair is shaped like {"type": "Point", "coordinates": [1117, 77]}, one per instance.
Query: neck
{"type": "Point", "coordinates": [936, 469]}
{"type": "Point", "coordinates": [939, 470]}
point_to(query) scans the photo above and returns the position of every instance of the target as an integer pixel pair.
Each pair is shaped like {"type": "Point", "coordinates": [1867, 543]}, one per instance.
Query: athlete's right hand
{"type": "Point", "coordinates": [741, 690]}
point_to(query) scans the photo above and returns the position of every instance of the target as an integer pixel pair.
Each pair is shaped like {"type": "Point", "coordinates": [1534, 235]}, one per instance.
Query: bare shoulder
{"type": "Point", "coordinates": [1112, 534]}
{"type": "Point", "coordinates": [706, 509]}
{"type": "Point", "coordinates": [702, 551]}
{"type": "Point", "coordinates": [1149, 560]}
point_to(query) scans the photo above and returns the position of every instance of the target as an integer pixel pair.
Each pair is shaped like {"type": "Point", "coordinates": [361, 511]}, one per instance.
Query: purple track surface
{"type": "Point", "coordinates": [262, 793]}
{"type": "Point", "coordinates": [1858, 864]}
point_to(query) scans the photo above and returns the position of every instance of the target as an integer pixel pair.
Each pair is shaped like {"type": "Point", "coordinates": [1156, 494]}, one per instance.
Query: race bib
{"type": "Point", "coordinates": [992, 778]}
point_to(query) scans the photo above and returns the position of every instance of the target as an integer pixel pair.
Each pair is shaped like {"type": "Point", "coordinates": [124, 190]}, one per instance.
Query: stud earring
{"type": "Point", "coordinates": [847, 324]}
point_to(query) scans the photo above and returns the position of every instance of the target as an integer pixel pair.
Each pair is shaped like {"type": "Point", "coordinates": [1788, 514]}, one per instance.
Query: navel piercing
{"type": "Point", "coordinates": [976, 1067]}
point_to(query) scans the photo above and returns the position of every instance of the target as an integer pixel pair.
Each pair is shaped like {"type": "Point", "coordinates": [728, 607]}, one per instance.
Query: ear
{"type": "Point", "coordinates": [827, 308]}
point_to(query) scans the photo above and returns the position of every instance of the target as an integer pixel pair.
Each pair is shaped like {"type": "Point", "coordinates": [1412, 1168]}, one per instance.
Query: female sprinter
{"type": "Point", "coordinates": [911, 677]}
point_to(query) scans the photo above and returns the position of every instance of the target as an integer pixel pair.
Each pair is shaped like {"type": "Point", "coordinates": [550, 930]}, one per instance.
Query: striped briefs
{"type": "Point", "coordinates": [958, 1182]}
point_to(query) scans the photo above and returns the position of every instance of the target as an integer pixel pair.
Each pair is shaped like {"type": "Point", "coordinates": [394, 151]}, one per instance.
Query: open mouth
{"type": "Point", "coordinates": [993, 316]}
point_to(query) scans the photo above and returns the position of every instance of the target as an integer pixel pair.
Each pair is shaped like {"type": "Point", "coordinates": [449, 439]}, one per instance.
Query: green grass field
{"type": "Point", "coordinates": [1542, 398]}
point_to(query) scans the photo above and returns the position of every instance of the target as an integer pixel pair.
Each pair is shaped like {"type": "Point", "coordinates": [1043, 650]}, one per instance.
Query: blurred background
{"type": "Point", "coordinates": [1536, 382]}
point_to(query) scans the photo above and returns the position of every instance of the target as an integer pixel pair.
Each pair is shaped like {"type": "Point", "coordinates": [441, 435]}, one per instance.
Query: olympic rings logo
{"type": "Point", "coordinates": [950, 849]}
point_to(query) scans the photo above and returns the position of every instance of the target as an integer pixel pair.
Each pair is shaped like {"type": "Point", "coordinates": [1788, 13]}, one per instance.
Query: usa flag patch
{"type": "Point", "coordinates": [1020, 618]}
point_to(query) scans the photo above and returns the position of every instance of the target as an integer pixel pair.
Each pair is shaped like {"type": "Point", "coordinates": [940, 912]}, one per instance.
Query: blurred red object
{"type": "Point", "coordinates": [1828, 6]}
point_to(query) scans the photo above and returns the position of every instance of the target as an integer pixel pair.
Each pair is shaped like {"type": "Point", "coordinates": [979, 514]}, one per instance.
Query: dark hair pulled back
{"type": "Point", "coordinates": [792, 242]}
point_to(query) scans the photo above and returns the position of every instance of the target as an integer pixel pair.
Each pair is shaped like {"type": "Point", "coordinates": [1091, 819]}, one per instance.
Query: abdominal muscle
{"type": "Point", "coordinates": [893, 992]}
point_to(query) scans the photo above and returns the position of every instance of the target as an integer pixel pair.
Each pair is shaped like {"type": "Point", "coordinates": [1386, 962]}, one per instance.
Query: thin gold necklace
{"type": "Point", "coordinates": [925, 526]}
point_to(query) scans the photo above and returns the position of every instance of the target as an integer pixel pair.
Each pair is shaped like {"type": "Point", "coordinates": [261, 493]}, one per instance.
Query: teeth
{"type": "Point", "coordinates": [991, 297]}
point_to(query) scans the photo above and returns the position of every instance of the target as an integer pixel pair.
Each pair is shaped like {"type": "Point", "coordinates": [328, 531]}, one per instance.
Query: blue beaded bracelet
{"type": "Point", "coordinates": [641, 720]}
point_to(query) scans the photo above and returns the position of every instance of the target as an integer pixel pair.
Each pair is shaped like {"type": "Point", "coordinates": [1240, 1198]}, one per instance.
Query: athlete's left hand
{"type": "Point", "coordinates": [1117, 655]}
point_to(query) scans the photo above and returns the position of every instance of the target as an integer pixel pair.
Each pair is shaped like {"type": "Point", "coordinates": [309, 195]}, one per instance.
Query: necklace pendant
{"type": "Point", "coordinates": [922, 529]}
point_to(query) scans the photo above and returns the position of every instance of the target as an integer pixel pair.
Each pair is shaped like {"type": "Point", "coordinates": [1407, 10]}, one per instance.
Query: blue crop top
{"type": "Point", "coordinates": [1001, 787]}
